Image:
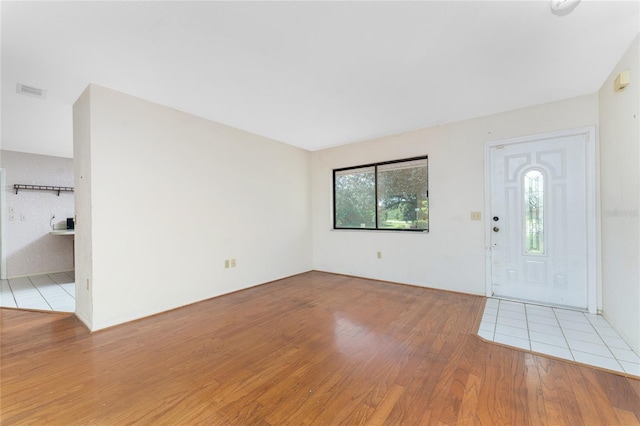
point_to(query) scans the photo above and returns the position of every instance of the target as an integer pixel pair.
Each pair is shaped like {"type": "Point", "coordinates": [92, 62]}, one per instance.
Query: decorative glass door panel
{"type": "Point", "coordinates": [533, 212]}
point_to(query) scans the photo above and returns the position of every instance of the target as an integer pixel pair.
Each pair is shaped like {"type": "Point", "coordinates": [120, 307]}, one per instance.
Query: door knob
{"type": "Point", "coordinates": [496, 229]}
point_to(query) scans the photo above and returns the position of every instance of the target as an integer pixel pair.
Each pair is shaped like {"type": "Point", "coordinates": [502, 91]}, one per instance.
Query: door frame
{"type": "Point", "coordinates": [3, 225]}
{"type": "Point", "coordinates": [594, 302]}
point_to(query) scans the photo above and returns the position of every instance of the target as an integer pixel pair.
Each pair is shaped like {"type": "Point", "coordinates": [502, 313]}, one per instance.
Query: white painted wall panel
{"type": "Point", "coordinates": [452, 255]}
{"type": "Point", "coordinates": [620, 198]}
{"type": "Point", "coordinates": [174, 195]}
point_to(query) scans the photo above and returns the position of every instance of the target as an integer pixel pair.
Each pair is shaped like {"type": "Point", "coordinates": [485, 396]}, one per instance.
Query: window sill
{"type": "Point", "coordinates": [384, 231]}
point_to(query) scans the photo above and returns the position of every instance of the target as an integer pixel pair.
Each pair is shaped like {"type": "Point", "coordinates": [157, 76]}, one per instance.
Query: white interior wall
{"type": "Point", "coordinates": [3, 226]}
{"type": "Point", "coordinates": [171, 196]}
{"type": "Point", "coordinates": [83, 228]}
{"type": "Point", "coordinates": [620, 198]}
{"type": "Point", "coordinates": [452, 255]}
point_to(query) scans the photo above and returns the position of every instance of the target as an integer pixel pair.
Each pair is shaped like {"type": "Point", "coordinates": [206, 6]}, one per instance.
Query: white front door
{"type": "Point", "coordinates": [538, 218]}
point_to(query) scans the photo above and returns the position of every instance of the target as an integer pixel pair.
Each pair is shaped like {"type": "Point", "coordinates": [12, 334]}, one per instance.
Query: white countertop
{"type": "Point", "coordinates": [63, 232]}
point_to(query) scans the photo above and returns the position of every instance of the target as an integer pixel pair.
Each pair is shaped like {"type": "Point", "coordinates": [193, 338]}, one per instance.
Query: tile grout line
{"type": "Point", "coordinates": [605, 343]}
{"type": "Point", "coordinates": [65, 290]}
{"type": "Point", "coordinates": [13, 293]}
{"type": "Point", "coordinates": [526, 321]}
{"type": "Point", "coordinates": [613, 357]}
{"type": "Point", "coordinates": [42, 295]}
{"type": "Point", "coordinates": [495, 326]}
{"type": "Point", "coordinates": [564, 336]}
{"type": "Point", "coordinates": [508, 325]}
{"type": "Point", "coordinates": [13, 296]}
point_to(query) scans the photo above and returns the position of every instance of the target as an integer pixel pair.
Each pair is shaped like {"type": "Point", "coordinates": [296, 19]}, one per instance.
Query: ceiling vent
{"type": "Point", "coordinates": [33, 92]}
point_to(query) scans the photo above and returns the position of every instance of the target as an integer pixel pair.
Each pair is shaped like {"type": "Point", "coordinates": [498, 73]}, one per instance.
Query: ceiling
{"type": "Point", "coordinates": [310, 74]}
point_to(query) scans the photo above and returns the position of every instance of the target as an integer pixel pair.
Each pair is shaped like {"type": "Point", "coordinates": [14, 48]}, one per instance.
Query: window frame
{"type": "Point", "coordinates": [375, 174]}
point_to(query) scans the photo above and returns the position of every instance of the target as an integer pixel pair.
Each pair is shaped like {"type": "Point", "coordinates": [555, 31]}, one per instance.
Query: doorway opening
{"type": "Point", "coordinates": [37, 232]}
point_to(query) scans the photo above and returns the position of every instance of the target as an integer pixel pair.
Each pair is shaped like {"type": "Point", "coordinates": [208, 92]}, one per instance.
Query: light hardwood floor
{"type": "Point", "coordinates": [311, 349]}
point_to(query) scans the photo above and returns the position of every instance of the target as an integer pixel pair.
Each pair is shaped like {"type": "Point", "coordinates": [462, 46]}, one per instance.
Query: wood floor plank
{"type": "Point", "coordinates": [535, 397]}
{"type": "Point", "coordinates": [317, 349]}
{"type": "Point", "coordinates": [558, 391]}
{"type": "Point", "coordinates": [469, 404]}
{"type": "Point", "coordinates": [620, 393]}
{"type": "Point", "coordinates": [594, 404]}
{"type": "Point", "coordinates": [635, 385]}
{"type": "Point", "coordinates": [381, 413]}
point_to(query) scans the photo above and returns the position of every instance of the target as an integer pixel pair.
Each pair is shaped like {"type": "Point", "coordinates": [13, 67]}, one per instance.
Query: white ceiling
{"type": "Point", "coordinates": [311, 74]}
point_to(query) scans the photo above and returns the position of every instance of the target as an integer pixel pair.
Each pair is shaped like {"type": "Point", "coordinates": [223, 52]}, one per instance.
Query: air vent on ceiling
{"type": "Point", "coordinates": [34, 92]}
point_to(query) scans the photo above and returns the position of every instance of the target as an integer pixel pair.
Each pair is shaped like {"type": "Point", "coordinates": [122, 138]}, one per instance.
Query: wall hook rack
{"type": "Point", "coordinates": [57, 189]}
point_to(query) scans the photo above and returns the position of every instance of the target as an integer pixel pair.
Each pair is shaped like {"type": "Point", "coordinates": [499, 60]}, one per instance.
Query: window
{"type": "Point", "coordinates": [534, 212]}
{"type": "Point", "coordinates": [392, 195]}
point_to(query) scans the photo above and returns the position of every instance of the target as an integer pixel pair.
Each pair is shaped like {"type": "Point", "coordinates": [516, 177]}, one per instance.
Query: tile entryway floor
{"type": "Point", "coordinates": [562, 333]}
{"type": "Point", "coordinates": [49, 292]}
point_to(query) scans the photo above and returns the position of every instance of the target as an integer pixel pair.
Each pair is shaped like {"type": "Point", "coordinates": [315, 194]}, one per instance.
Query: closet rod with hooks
{"type": "Point", "coordinates": [57, 189]}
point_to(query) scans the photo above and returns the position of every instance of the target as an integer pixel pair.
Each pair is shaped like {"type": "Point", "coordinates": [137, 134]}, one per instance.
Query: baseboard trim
{"type": "Point", "coordinates": [13, 277]}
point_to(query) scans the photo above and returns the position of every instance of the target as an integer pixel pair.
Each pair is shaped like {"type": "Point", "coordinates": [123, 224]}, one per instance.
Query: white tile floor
{"type": "Point", "coordinates": [51, 292]}
{"type": "Point", "coordinates": [563, 333]}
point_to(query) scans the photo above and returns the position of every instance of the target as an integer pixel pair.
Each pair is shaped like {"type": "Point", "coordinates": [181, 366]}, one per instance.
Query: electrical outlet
{"type": "Point", "coordinates": [226, 263]}
{"type": "Point", "coordinates": [233, 263]}
{"type": "Point", "coordinates": [476, 216]}
{"type": "Point", "coordinates": [379, 255]}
